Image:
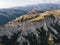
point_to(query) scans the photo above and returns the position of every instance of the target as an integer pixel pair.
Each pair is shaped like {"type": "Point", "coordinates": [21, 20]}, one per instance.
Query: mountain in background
{"type": "Point", "coordinates": [12, 13]}
{"type": "Point", "coordinates": [44, 6]}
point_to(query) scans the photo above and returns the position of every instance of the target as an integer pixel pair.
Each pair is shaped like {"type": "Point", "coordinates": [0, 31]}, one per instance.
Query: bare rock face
{"type": "Point", "coordinates": [31, 31]}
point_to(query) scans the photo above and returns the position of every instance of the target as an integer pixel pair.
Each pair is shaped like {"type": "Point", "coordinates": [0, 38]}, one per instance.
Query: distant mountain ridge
{"type": "Point", "coordinates": [49, 6]}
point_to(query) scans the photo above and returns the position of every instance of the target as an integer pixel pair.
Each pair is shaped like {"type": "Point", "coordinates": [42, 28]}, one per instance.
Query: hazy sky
{"type": "Point", "coordinates": [13, 3]}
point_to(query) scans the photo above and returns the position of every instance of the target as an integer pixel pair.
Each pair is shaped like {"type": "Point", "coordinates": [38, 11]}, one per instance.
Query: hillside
{"type": "Point", "coordinates": [37, 17]}
{"type": "Point", "coordinates": [27, 19]}
{"type": "Point", "coordinates": [32, 27]}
